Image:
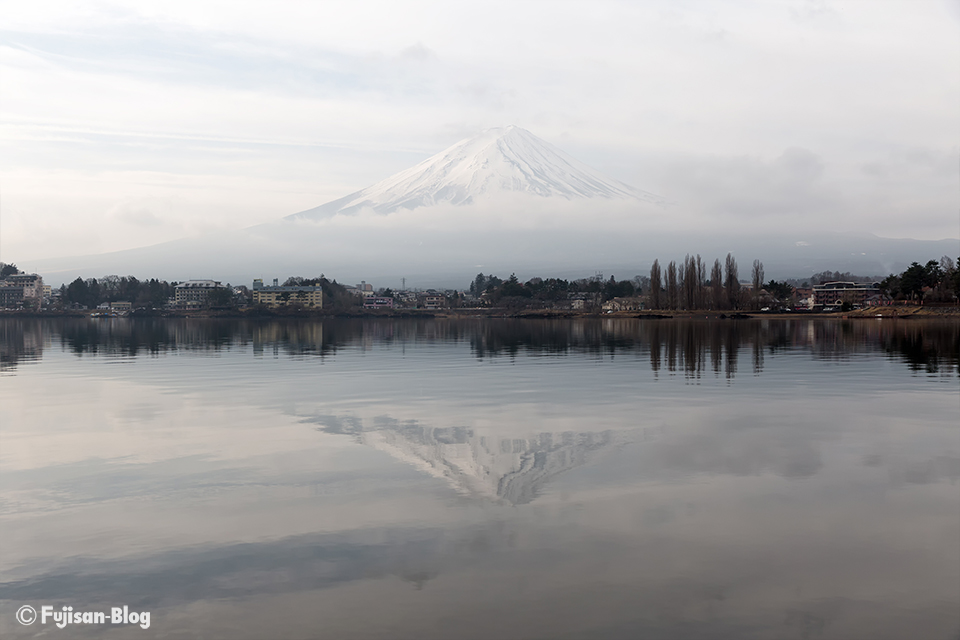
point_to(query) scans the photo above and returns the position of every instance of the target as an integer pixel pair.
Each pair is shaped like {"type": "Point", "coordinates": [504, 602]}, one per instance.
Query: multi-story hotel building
{"type": "Point", "coordinates": [21, 289]}
{"type": "Point", "coordinates": [10, 296]}
{"type": "Point", "coordinates": [194, 293]}
{"type": "Point", "coordinates": [279, 296]}
{"type": "Point", "coordinates": [31, 283]}
{"type": "Point", "coordinates": [832, 294]}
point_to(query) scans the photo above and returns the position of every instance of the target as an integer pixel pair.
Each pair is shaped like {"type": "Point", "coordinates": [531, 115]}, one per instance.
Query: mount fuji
{"type": "Point", "coordinates": [498, 161]}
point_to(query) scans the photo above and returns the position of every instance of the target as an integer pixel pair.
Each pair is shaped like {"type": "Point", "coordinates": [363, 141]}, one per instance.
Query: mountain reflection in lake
{"type": "Point", "coordinates": [485, 478]}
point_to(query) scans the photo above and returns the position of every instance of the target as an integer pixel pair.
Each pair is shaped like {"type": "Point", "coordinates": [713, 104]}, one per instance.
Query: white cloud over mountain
{"type": "Point", "coordinates": [237, 114]}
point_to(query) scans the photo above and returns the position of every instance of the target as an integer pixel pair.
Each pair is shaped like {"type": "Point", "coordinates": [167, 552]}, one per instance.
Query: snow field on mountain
{"type": "Point", "coordinates": [499, 161]}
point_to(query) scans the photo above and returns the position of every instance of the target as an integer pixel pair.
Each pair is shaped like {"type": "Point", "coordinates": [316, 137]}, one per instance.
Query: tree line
{"type": "Point", "coordinates": [93, 292]}
{"type": "Point", "coordinates": [512, 292]}
{"type": "Point", "coordinates": [154, 293]}
{"type": "Point", "coordinates": [687, 285]}
{"type": "Point", "coordinates": [684, 285]}
{"type": "Point", "coordinates": [693, 284]}
{"type": "Point", "coordinates": [935, 281]}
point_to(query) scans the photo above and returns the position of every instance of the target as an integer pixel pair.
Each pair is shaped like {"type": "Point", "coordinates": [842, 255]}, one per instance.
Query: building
{"type": "Point", "coordinates": [834, 294]}
{"type": "Point", "coordinates": [375, 302]}
{"type": "Point", "coordinates": [432, 300]}
{"type": "Point", "coordinates": [280, 296]}
{"type": "Point", "coordinates": [803, 297]}
{"type": "Point", "coordinates": [406, 298]}
{"type": "Point", "coordinates": [623, 304]}
{"type": "Point", "coordinates": [31, 283]}
{"type": "Point", "coordinates": [194, 294]}
{"type": "Point", "coordinates": [362, 290]}
{"type": "Point", "coordinates": [21, 289]}
{"type": "Point", "coordinates": [10, 297]}
{"type": "Point", "coordinates": [365, 289]}
{"type": "Point", "coordinates": [877, 300]}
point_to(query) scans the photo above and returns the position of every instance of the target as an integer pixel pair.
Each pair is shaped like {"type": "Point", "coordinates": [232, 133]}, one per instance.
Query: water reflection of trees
{"type": "Point", "coordinates": [153, 336]}
{"type": "Point", "coordinates": [931, 348]}
{"type": "Point", "coordinates": [690, 348]}
{"type": "Point", "coordinates": [695, 347]}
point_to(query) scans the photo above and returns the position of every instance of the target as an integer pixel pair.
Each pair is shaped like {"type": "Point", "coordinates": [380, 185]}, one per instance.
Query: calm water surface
{"type": "Point", "coordinates": [484, 479]}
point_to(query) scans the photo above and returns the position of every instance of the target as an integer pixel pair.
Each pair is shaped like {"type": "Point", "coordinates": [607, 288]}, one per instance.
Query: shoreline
{"type": "Point", "coordinates": [892, 312]}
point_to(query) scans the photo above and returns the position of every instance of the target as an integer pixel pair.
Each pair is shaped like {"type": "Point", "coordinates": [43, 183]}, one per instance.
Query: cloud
{"type": "Point", "coordinates": [753, 189]}
{"type": "Point", "coordinates": [914, 163]}
{"type": "Point", "coordinates": [137, 216]}
{"type": "Point", "coordinates": [417, 52]}
{"type": "Point", "coordinates": [326, 99]}
{"type": "Point", "coordinates": [814, 10]}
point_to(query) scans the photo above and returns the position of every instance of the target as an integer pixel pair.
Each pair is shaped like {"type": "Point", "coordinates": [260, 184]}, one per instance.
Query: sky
{"type": "Point", "coordinates": [128, 124]}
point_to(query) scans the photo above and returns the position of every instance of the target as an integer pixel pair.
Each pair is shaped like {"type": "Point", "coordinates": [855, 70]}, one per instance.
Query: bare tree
{"type": "Point", "coordinates": [701, 278]}
{"type": "Point", "coordinates": [672, 285]}
{"type": "Point", "coordinates": [655, 285]}
{"type": "Point", "coordinates": [948, 271]}
{"type": "Point", "coordinates": [682, 285]}
{"type": "Point", "coordinates": [757, 273]}
{"type": "Point", "coordinates": [683, 282]}
{"type": "Point", "coordinates": [642, 283]}
{"type": "Point", "coordinates": [691, 283]}
{"type": "Point", "coordinates": [716, 285]}
{"type": "Point", "coordinates": [110, 287]}
{"type": "Point", "coordinates": [732, 284]}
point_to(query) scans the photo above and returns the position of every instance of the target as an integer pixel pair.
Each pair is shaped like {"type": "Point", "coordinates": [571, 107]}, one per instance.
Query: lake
{"type": "Point", "coordinates": [482, 479]}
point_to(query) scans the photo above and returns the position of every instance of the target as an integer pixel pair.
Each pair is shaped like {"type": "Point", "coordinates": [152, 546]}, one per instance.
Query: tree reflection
{"type": "Point", "coordinates": [691, 348]}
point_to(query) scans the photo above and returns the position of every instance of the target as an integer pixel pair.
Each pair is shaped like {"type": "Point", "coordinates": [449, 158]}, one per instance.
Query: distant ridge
{"type": "Point", "coordinates": [500, 160]}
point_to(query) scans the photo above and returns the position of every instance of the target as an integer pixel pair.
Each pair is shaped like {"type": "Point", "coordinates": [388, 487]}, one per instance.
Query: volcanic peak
{"type": "Point", "coordinates": [499, 160]}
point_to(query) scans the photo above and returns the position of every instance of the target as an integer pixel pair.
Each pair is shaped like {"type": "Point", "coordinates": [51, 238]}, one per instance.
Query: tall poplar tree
{"type": "Point", "coordinates": [716, 285]}
{"type": "Point", "coordinates": [757, 273]}
{"type": "Point", "coordinates": [732, 283]}
{"type": "Point", "coordinates": [701, 279]}
{"type": "Point", "coordinates": [655, 285]}
{"type": "Point", "coordinates": [672, 285]}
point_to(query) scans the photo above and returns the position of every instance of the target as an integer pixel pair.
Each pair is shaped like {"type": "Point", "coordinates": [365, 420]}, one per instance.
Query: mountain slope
{"type": "Point", "coordinates": [501, 160]}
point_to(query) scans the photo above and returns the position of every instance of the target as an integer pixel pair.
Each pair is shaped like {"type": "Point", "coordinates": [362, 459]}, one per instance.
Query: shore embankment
{"type": "Point", "coordinates": [890, 312]}
{"type": "Point", "coordinates": [887, 312]}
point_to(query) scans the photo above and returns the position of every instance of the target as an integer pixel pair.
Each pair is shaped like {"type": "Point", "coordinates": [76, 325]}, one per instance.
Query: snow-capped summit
{"type": "Point", "coordinates": [508, 159]}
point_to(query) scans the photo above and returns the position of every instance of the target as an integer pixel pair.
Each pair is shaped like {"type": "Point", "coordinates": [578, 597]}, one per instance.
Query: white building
{"type": "Point", "coordinates": [195, 293]}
